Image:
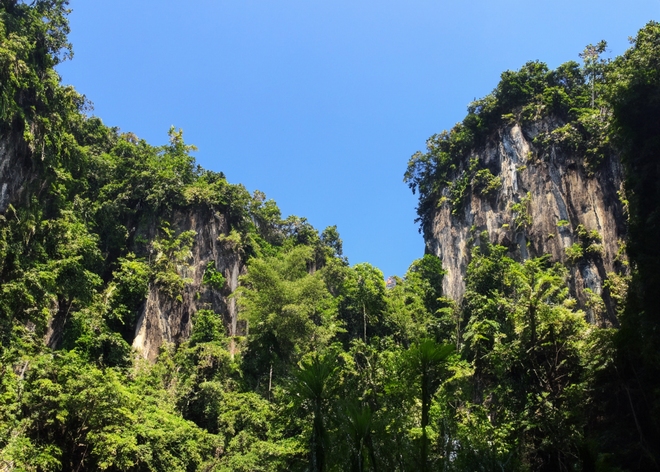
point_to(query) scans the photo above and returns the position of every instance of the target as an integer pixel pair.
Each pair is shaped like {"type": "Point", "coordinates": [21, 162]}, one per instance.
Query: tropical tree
{"type": "Point", "coordinates": [425, 358]}
{"type": "Point", "coordinates": [311, 384]}
{"type": "Point", "coordinates": [594, 66]}
{"type": "Point", "coordinates": [289, 311]}
{"type": "Point", "coordinates": [363, 300]}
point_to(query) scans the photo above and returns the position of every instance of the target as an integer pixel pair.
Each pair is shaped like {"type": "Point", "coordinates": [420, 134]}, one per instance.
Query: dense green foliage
{"type": "Point", "coordinates": [635, 99]}
{"type": "Point", "coordinates": [336, 371]}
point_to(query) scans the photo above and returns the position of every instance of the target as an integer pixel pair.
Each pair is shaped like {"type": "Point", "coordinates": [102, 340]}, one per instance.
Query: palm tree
{"type": "Point", "coordinates": [359, 428]}
{"type": "Point", "coordinates": [311, 385]}
{"type": "Point", "coordinates": [426, 356]}
{"type": "Point", "coordinates": [537, 286]}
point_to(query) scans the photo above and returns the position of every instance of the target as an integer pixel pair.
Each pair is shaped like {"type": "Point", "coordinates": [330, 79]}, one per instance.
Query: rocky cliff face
{"type": "Point", "coordinates": [548, 203]}
{"type": "Point", "coordinates": [16, 169]}
{"type": "Point", "coordinates": [166, 319]}
{"type": "Point", "coordinates": [163, 318]}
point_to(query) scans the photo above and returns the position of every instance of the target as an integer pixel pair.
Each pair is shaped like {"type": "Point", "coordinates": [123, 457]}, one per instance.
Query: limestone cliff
{"type": "Point", "coordinates": [168, 319]}
{"type": "Point", "coordinates": [16, 169]}
{"type": "Point", "coordinates": [162, 318]}
{"type": "Point", "coordinates": [547, 202]}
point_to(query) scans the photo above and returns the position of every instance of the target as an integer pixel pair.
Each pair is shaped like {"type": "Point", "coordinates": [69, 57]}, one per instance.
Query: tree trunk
{"type": "Point", "coordinates": [364, 318]}
{"type": "Point", "coordinates": [317, 449]}
{"type": "Point", "coordinates": [270, 380]}
{"type": "Point", "coordinates": [425, 417]}
{"type": "Point", "coordinates": [532, 323]}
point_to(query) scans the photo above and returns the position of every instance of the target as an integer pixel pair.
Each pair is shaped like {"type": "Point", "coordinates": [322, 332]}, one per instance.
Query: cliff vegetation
{"type": "Point", "coordinates": [155, 317]}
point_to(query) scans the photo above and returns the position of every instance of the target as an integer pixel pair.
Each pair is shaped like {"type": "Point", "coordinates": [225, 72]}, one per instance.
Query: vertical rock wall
{"type": "Point", "coordinates": [16, 169]}
{"type": "Point", "coordinates": [558, 195]}
{"type": "Point", "coordinates": [166, 319]}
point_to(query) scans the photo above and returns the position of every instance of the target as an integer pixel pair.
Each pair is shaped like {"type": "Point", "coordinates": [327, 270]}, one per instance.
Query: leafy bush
{"type": "Point", "coordinates": [171, 254]}
{"type": "Point", "coordinates": [522, 219]}
{"type": "Point", "coordinates": [484, 183]}
{"type": "Point", "coordinates": [212, 277]}
{"type": "Point", "coordinates": [574, 253]}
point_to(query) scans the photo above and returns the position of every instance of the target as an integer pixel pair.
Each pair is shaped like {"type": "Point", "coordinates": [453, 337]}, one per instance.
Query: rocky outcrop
{"type": "Point", "coordinates": [544, 197]}
{"type": "Point", "coordinates": [16, 169]}
{"type": "Point", "coordinates": [168, 319]}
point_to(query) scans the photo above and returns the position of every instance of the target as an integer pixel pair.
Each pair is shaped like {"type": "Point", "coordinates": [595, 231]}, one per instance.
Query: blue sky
{"type": "Point", "coordinates": [320, 103]}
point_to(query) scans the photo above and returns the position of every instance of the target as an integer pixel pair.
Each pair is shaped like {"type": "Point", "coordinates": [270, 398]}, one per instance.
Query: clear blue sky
{"type": "Point", "coordinates": [320, 103]}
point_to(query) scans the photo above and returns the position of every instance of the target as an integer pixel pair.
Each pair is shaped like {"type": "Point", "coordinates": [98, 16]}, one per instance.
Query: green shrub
{"type": "Point", "coordinates": [212, 277]}
{"type": "Point", "coordinates": [574, 253]}
{"type": "Point", "coordinates": [485, 183]}
{"type": "Point", "coordinates": [522, 219]}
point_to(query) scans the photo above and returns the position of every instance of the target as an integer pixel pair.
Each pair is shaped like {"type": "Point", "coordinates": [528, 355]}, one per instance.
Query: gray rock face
{"type": "Point", "coordinates": [16, 170]}
{"type": "Point", "coordinates": [557, 195]}
{"type": "Point", "coordinates": [165, 319]}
